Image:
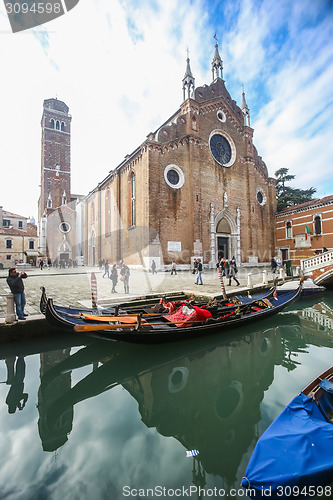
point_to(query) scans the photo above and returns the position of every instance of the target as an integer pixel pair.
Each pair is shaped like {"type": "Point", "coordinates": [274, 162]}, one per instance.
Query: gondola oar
{"type": "Point", "coordinates": [120, 317]}
{"type": "Point", "coordinates": [104, 318]}
{"type": "Point", "coordinates": [92, 328]}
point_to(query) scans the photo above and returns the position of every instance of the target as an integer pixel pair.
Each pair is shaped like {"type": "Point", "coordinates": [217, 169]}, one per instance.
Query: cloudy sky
{"type": "Point", "coordinates": [119, 64]}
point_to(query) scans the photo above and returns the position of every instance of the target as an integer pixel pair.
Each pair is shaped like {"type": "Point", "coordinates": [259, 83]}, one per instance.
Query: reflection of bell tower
{"type": "Point", "coordinates": [53, 425]}
{"type": "Point", "coordinates": [55, 165]}
{"type": "Point", "coordinates": [198, 476]}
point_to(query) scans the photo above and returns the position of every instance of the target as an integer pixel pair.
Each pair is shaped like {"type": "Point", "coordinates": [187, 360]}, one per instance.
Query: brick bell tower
{"type": "Point", "coordinates": [55, 193]}
{"type": "Point", "coordinates": [56, 159]}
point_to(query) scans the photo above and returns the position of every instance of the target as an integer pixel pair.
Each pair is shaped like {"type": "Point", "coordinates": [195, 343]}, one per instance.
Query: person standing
{"type": "Point", "coordinates": [16, 285]}
{"type": "Point", "coordinates": [125, 274]}
{"type": "Point", "coordinates": [114, 278]}
{"type": "Point", "coordinates": [173, 268]}
{"type": "Point", "coordinates": [153, 267]}
{"type": "Point", "coordinates": [232, 272]}
{"type": "Point", "coordinates": [199, 270]}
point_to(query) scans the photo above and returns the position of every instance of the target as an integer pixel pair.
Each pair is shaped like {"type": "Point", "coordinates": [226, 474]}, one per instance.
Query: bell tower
{"type": "Point", "coordinates": [56, 217]}
{"type": "Point", "coordinates": [56, 160]}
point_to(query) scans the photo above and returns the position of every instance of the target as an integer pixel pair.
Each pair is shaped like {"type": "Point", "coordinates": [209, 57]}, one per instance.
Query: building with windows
{"type": "Point", "coordinates": [304, 230]}
{"type": "Point", "coordinates": [18, 240]}
{"type": "Point", "coordinates": [196, 187]}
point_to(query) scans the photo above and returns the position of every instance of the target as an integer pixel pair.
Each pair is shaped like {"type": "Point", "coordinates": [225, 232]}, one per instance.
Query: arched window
{"type": "Point", "coordinates": [132, 200]}
{"type": "Point", "coordinates": [108, 212]}
{"type": "Point", "coordinates": [52, 123]}
{"type": "Point", "coordinates": [64, 198]}
{"type": "Point", "coordinates": [317, 224]}
{"type": "Point", "coordinates": [289, 229]}
{"type": "Point", "coordinates": [49, 201]}
{"type": "Point", "coordinates": [57, 125]}
{"type": "Point", "coordinates": [62, 126]}
{"type": "Point", "coordinates": [223, 227]}
{"type": "Point", "coordinates": [92, 219]}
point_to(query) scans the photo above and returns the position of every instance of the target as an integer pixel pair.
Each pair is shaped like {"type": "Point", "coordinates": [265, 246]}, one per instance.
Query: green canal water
{"type": "Point", "coordinates": [88, 419]}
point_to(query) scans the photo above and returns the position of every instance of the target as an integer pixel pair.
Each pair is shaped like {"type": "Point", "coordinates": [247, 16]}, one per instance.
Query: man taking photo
{"type": "Point", "coordinates": [16, 285]}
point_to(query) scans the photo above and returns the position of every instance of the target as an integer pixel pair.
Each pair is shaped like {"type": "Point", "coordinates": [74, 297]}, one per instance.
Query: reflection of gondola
{"type": "Point", "coordinates": [295, 452]}
{"type": "Point", "coordinates": [184, 323]}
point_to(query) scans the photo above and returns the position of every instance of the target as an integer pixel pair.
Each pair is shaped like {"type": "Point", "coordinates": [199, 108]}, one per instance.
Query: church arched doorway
{"type": "Point", "coordinates": [223, 233]}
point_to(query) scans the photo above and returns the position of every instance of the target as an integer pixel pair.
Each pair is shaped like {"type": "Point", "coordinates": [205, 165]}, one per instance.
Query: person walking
{"type": "Point", "coordinates": [199, 270]}
{"type": "Point", "coordinates": [106, 269]}
{"type": "Point", "coordinates": [222, 263]}
{"type": "Point", "coordinates": [232, 272]}
{"type": "Point", "coordinates": [114, 278]}
{"type": "Point", "coordinates": [273, 265]}
{"type": "Point", "coordinates": [173, 268]}
{"type": "Point", "coordinates": [124, 276]}
{"type": "Point", "coordinates": [153, 267]}
{"type": "Point", "coordinates": [16, 398]}
{"type": "Point", "coordinates": [16, 285]}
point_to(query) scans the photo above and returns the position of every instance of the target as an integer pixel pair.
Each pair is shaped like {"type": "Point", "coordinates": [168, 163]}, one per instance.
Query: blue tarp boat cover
{"type": "Point", "coordinates": [295, 450]}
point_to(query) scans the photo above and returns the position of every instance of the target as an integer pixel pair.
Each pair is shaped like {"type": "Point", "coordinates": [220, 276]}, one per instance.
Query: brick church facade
{"type": "Point", "coordinates": [196, 187]}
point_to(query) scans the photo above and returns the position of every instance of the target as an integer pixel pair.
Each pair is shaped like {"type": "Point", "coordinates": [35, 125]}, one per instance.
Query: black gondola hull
{"type": "Point", "coordinates": [168, 332]}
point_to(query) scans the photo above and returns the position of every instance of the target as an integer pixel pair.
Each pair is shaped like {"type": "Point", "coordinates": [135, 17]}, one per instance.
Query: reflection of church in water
{"type": "Point", "coordinates": [206, 394]}
{"type": "Point", "coordinates": [208, 398]}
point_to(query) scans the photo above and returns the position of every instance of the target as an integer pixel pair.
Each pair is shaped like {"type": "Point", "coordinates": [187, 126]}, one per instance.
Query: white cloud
{"type": "Point", "coordinates": [119, 68]}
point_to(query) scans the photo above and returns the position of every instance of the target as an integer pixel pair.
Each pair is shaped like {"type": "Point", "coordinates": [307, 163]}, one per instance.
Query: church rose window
{"type": "Point", "coordinates": [174, 176]}
{"type": "Point", "coordinates": [261, 197]}
{"type": "Point", "coordinates": [65, 227]}
{"type": "Point", "coordinates": [221, 116]}
{"type": "Point", "coordinates": [222, 148]}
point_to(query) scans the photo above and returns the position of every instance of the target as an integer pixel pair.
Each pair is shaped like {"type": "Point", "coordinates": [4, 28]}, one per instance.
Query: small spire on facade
{"type": "Point", "coordinates": [245, 110]}
{"type": "Point", "coordinates": [188, 80]}
{"type": "Point", "coordinates": [217, 64]}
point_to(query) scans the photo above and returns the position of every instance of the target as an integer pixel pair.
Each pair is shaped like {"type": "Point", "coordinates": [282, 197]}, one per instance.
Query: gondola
{"type": "Point", "coordinates": [148, 305]}
{"type": "Point", "coordinates": [186, 322]}
{"type": "Point", "coordinates": [294, 455]}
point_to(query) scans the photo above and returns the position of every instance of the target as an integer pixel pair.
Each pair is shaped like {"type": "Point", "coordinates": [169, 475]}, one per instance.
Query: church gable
{"type": "Point", "coordinates": [217, 90]}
